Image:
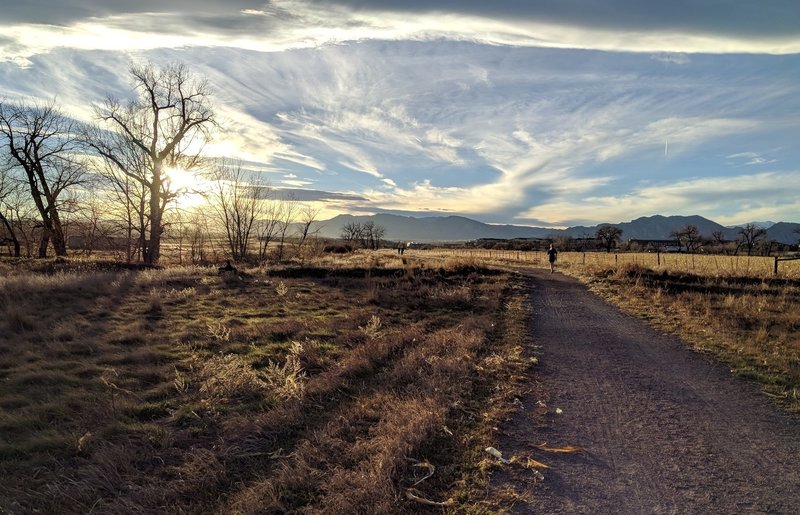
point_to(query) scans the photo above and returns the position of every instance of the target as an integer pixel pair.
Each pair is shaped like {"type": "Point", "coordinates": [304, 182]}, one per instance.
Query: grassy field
{"type": "Point", "coordinates": [732, 307]}
{"type": "Point", "coordinates": [701, 264]}
{"type": "Point", "coordinates": [333, 388]}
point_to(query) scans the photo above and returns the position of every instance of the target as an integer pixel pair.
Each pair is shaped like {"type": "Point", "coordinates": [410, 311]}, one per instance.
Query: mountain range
{"type": "Point", "coordinates": [459, 228]}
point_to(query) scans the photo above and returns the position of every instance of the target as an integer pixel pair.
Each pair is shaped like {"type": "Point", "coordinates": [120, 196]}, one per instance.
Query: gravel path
{"type": "Point", "coordinates": [665, 429]}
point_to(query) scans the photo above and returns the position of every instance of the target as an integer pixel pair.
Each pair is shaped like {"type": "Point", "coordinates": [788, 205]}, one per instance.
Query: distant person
{"type": "Point", "coordinates": [551, 256]}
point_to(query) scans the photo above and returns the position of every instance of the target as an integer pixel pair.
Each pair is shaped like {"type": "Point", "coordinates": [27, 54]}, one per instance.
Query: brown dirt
{"type": "Point", "coordinates": [665, 429]}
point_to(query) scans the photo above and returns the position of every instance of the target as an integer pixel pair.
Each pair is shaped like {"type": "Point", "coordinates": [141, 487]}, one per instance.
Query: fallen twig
{"type": "Point", "coordinates": [565, 449]}
{"type": "Point", "coordinates": [425, 465]}
{"type": "Point", "coordinates": [529, 463]}
{"type": "Point", "coordinates": [413, 494]}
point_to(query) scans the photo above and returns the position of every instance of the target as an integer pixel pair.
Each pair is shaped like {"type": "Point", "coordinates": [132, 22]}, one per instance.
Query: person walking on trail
{"type": "Point", "coordinates": [551, 256]}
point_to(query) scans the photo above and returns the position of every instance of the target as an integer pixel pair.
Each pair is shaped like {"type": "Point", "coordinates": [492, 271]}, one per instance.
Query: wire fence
{"type": "Point", "coordinates": [702, 264]}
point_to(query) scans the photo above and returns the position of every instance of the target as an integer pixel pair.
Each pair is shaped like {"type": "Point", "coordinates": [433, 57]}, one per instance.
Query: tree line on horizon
{"type": "Point", "coordinates": [751, 239]}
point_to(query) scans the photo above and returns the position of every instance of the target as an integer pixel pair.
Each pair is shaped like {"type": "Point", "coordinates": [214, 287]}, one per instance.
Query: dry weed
{"type": "Point", "coordinates": [287, 381]}
{"type": "Point", "coordinates": [281, 290]}
{"type": "Point", "coordinates": [219, 332]}
{"type": "Point", "coordinates": [373, 328]}
{"type": "Point", "coordinates": [228, 377]}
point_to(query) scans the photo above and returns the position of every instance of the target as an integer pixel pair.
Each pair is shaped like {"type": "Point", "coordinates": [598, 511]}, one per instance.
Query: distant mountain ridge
{"type": "Point", "coordinates": [459, 228]}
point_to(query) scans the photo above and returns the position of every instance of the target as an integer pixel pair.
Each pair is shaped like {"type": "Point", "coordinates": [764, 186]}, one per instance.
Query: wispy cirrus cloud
{"type": "Point", "coordinates": [750, 159]}
{"type": "Point", "coordinates": [513, 111]}
{"type": "Point", "coordinates": [609, 25]}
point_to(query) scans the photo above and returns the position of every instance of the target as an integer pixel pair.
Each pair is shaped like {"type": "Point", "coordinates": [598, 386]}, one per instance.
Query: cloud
{"type": "Point", "coordinates": [505, 133]}
{"type": "Point", "coordinates": [670, 58]}
{"type": "Point", "coordinates": [780, 17]}
{"type": "Point", "coordinates": [750, 159]}
{"type": "Point", "coordinates": [609, 25]}
{"type": "Point", "coordinates": [64, 12]}
{"type": "Point", "coordinates": [305, 195]}
{"type": "Point", "coordinates": [722, 198]}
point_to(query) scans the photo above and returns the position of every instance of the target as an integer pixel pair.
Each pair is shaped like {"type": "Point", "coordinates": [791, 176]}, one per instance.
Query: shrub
{"type": "Point", "coordinates": [287, 381]}
{"type": "Point", "coordinates": [229, 377]}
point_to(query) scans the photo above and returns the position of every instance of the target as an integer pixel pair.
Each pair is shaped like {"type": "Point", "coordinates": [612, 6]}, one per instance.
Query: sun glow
{"type": "Point", "coordinates": [189, 186]}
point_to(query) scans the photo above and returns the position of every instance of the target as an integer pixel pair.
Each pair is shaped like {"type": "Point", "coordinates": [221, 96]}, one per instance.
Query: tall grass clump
{"type": "Point", "coordinates": [287, 381]}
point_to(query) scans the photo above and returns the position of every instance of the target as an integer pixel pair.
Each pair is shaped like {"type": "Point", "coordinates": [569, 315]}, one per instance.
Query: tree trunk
{"type": "Point", "coordinates": [43, 243]}
{"type": "Point", "coordinates": [57, 235]}
{"type": "Point", "coordinates": [12, 235]}
{"type": "Point", "coordinates": [154, 247]}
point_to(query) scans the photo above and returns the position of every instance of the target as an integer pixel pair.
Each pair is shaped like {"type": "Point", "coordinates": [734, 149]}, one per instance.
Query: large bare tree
{"type": "Point", "coordinates": [238, 202]}
{"type": "Point", "coordinates": [164, 126]}
{"type": "Point", "coordinates": [44, 147]}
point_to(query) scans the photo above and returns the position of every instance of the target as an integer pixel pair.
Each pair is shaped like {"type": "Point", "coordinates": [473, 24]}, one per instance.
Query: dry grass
{"type": "Point", "coordinates": [700, 264]}
{"type": "Point", "coordinates": [296, 389]}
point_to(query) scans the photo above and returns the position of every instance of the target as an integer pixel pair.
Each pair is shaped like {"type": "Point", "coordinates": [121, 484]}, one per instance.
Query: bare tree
{"type": "Point", "coordinates": [164, 126]}
{"type": "Point", "coordinates": [688, 237]}
{"type": "Point", "coordinates": [351, 232]}
{"type": "Point", "coordinates": [307, 215]}
{"type": "Point", "coordinates": [21, 214]}
{"type": "Point", "coordinates": [198, 236]}
{"type": "Point", "coordinates": [288, 212]}
{"type": "Point", "coordinates": [44, 145]}
{"type": "Point", "coordinates": [608, 236]}
{"type": "Point", "coordinates": [238, 205]}
{"type": "Point", "coordinates": [720, 241]}
{"type": "Point", "coordinates": [367, 234]}
{"type": "Point", "coordinates": [94, 231]}
{"type": "Point", "coordinates": [9, 191]}
{"type": "Point", "coordinates": [268, 226]}
{"type": "Point", "coordinates": [750, 235]}
{"type": "Point", "coordinates": [129, 200]}
{"type": "Point", "coordinates": [377, 232]}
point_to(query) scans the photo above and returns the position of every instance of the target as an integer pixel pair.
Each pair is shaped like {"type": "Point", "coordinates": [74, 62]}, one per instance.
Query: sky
{"type": "Point", "coordinates": [530, 112]}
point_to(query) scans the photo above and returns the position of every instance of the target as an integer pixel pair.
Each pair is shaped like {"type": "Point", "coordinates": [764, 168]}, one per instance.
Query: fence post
{"type": "Point", "coordinates": [776, 265]}
{"type": "Point", "coordinates": [658, 257]}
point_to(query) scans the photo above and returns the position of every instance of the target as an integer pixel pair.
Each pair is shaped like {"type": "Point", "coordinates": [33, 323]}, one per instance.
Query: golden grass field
{"type": "Point", "coordinates": [325, 387]}
{"type": "Point", "coordinates": [332, 388]}
{"type": "Point", "coordinates": [701, 264]}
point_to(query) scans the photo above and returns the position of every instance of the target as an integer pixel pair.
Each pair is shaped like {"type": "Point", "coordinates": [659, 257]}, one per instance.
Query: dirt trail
{"type": "Point", "coordinates": [666, 430]}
